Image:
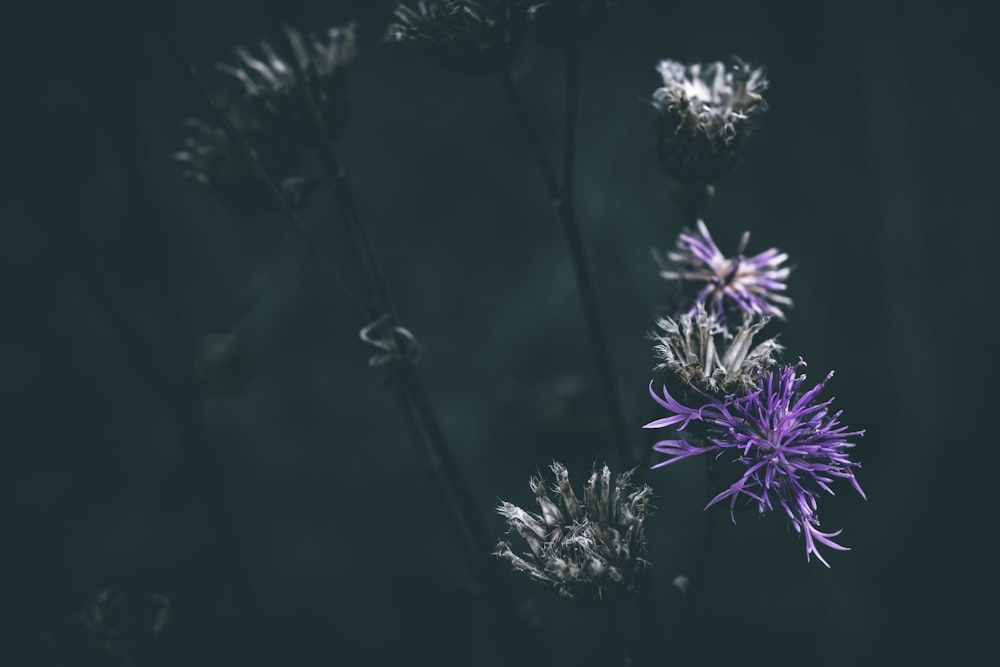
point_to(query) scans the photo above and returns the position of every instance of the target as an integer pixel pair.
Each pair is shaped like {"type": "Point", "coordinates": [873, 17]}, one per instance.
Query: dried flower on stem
{"type": "Point", "coordinates": [210, 158]}
{"type": "Point", "coordinates": [477, 37]}
{"type": "Point", "coordinates": [697, 351]}
{"type": "Point", "coordinates": [591, 551]}
{"type": "Point", "coordinates": [275, 88]}
{"type": "Point", "coordinates": [705, 113]}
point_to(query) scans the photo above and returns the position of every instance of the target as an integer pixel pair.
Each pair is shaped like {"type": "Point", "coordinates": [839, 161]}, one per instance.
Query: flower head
{"type": "Point", "coordinates": [556, 21]}
{"type": "Point", "coordinates": [727, 284]}
{"type": "Point", "coordinates": [705, 113]}
{"type": "Point", "coordinates": [591, 551]}
{"type": "Point", "coordinates": [210, 158]}
{"type": "Point", "coordinates": [115, 628]}
{"type": "Point", "coordinates": [468, 36]}
{"type": "Point", "coordinates": [696, 351]}
{"type": "Point", "coordinates": [273, 86]}
{"type": "Point", "coordinates": [784, 447]}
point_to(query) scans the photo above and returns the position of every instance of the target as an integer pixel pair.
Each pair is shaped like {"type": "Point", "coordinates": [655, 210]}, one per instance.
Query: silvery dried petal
{"type": "Point", "coordinates": [210, 158]}
{"type": "Point", "coordinates": [698, 351]}
{"type": "Point", "coordinates": [477, 37]}
{"type": "Point", "coordinates": [556, 21]}
{"type": "Point", "coordinates": [273, 83]}
{"type": "Point", "coordinates": [587, 552]}
{"type": "Point", "coordinates": [705, 112]}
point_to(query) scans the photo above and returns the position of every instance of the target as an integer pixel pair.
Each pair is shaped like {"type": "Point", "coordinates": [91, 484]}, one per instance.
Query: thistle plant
{"type": "Point", "coordinates": [772, 444]}
{"type": "Point", "coordinates": [477, 37]}
{"type": "Point", "coordinates": [284, 94]}
{"type": "Point", "coordinates": [589, 551]}
{"type": "Point", "coordinates": [785, 447]}
{"type": "Point", "coordinates": [769, 443]}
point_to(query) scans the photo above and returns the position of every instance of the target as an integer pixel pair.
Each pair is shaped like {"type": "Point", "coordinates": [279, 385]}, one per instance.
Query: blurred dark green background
{"type": "Point", "coordinates": [292, 523]}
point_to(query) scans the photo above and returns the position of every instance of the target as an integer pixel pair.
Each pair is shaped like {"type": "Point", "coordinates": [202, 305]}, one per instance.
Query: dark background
{"type": "Point", "coordinates": [291, 523]}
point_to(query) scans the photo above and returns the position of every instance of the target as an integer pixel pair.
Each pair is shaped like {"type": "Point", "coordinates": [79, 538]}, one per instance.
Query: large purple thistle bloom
{"type": "Point", "coordinates": [747, 284]}
{"type": "Point", "coordinates": [788, 447]}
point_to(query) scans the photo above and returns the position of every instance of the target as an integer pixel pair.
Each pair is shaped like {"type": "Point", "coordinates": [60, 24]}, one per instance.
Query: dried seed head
{"type": "Point", "coordinates": [587, 551]}
{"type": "Point", "coordinates": [705, 113]}
{"type": "Point", "coordinates": [478, 37]}
{"type": "Point", "coordinates": [210, 158]}
{"type": "Point", "coordinates": [277, 85]}
{"type": "Point", "coordinates": [697, 350]}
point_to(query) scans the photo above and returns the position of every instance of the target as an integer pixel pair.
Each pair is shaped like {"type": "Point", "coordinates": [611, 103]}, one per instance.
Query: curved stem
{"type": "Point", "coordinates": [422, 421]}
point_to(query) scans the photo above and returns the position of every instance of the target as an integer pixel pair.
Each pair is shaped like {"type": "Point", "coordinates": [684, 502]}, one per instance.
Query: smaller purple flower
{"type": "Point", "coordinates": [786, 447]}
{"type": "Point", "coordinates": [727, 284]}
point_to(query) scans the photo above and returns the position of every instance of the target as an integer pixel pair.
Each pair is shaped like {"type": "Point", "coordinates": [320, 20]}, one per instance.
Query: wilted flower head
{"type": "Point", "coordinates": [272, 85]}
{"type": "Point", "coordinates": [468, 36]}
{"type": "Point", "coordinates": [558, 20]}
{"type": "Point", "coordinates": [697, 351]}
{"type": "Point", "coordinates": [210, 158]}
{"type": "Point", "coordinates": [783, 448]}
{"type": "Point", "coordinates": [705, 113]}
{"type": "Point", "coordinates": [115, 628]}
{"type": "Point", "coordinates": [726, 285]}
{"type": "Point", "coordinates": [591, 551]}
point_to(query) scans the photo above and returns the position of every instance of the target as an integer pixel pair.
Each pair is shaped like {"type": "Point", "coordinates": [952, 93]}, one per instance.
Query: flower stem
{"type": "Point", "coordinates": [562, 200]}
{"type": "Point", "coordinates": [428, 436]}
{"type": "Point", "coordinates": [250, 156]}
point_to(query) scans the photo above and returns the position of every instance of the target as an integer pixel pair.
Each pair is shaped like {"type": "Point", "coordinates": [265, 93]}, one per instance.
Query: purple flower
{"type": "Point", "coordinates": [747, 284]}
{"type": "Point", "coordinates": [786, 448]}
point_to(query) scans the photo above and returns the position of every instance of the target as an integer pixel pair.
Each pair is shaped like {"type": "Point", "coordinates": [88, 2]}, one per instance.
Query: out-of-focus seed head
{"type": "Point", "coordinates": [476, 37]}
{"type": "Point", "coordinates": [558, 21]}
{"type": "Point", "coordinates": [705, 113]}
{"type": "Point", "coordinates": [115, 628]}
{"type": "Point", "coordinates": [697, 351]}
{"type": "Point", "coordinates": [210, 158]}
{"type": "Point", "coordinates": [276, 84]}
{"type": "Point", "coordinates": [590, 551]}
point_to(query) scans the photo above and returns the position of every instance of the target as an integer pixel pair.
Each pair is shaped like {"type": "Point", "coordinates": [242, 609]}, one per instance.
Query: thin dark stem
{"type": "Point", "coordinates": [439, 454]}
{"type": "Point", "coordinates": [690, 618]}
{"type": "Point", "coordinates": [563, 202]}
{"type": "Point", "coordinates": [617, 627]}
{"type": "Point", "coordinates": [414, 424]}
{"type": "Point", "coordinates": [571, 231]}
{"type": "Point", "coordinates": [340, 183]}
{"type": "Point", "coordinates": [465, 500]}
{"type": "Point", "coordinates": [569, 128]}
{"type": "Point", "coordinates": [548, 173]}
